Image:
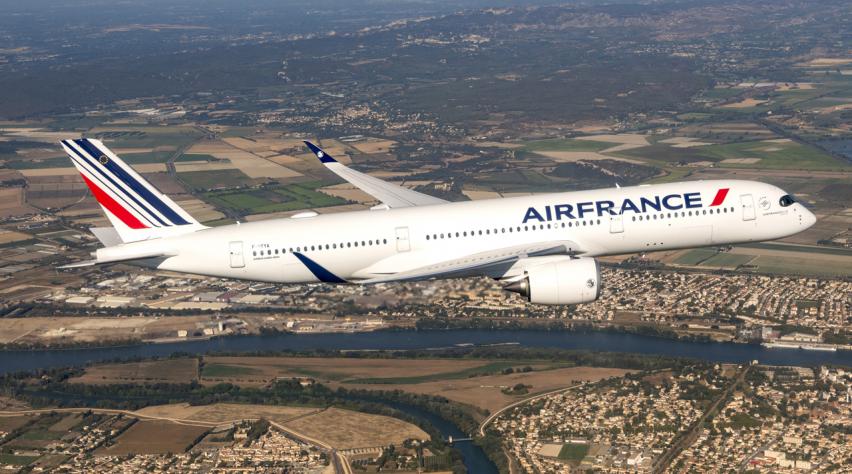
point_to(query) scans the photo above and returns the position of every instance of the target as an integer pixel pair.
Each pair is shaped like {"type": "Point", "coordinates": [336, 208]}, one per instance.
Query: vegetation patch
{"type": "Point", "coordinates": [487, 369]}
{"type": "Point", "coordinates": [562, 144]}
{"type": "Point", "coordinates": [215, 179]}
{"type": "Point", "coordinates": [223, 370]}
{"type": "Point", "coordinates": [273, 199]}
{"type": "Point", "coordinates": [573, 451]}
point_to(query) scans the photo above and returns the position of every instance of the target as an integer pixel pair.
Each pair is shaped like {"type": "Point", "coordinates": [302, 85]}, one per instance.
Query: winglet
{"type": "Point", "coordinates": [323, 156]}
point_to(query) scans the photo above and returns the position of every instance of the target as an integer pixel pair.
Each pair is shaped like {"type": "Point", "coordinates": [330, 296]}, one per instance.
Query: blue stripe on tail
{"type": "Point", "coordinates": [135, 185]}
{"type": "Point", "coordinates": [95, 167]}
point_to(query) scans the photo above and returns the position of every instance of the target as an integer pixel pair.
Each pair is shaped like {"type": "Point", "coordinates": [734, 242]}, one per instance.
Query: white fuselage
{"type": "Point", "coordinates": [360, 245]}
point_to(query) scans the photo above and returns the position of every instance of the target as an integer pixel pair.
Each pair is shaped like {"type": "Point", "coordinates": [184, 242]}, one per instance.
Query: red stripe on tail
{"type": "Point", "coordinates": [112, 206]}
{"type": "Point", "coordinates": [720, 197]}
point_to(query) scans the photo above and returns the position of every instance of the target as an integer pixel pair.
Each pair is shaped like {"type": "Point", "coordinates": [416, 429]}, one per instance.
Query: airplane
{"type": "Point", "coordinates": [541, 246]}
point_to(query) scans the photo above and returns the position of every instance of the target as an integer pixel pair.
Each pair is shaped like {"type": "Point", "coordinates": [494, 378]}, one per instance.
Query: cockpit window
{"type": "Point", "coordinates": [786, 200]}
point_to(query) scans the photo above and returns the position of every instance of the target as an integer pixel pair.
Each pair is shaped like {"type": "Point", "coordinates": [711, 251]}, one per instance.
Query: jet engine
{"type": "Point", "coordinates": [569, 281]}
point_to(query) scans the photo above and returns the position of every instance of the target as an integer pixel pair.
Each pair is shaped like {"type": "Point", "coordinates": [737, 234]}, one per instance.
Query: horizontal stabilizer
{"type": "Point", "coordinates": [107, 235]}
{"type": "Point", "coordinates": [87, 263]}
{"type": "Point", "coordinates": [121, 253]}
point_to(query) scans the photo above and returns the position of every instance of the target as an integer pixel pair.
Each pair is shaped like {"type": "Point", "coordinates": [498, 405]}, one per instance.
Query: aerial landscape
{"type": "Point", "coordinates": [721, 358]}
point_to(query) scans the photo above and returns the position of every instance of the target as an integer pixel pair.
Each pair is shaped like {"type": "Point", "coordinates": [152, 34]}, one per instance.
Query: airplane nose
{"type": "Point", "coordinates": [808, 218]}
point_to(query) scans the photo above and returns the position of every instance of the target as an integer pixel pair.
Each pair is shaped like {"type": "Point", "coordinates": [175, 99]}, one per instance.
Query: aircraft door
{"type": "Point", "coordinates": [236, 251]}
{"type": "Point", "coordinates": [747, 202]}
{"type": "Point", "coordinates": [403, 244]}
{"type": "Point", "coordinates": [616, 224]}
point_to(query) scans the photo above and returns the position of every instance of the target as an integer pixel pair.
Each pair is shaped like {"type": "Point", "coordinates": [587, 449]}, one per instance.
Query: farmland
{"type": "Point", "coordinates": [274, 199]}
{"type": "Point", "coordinates": [171, 370]}
{"type": "Point", "coordinates": [155, 437]}
{"type": "Point", "coordinates": [344, 429]}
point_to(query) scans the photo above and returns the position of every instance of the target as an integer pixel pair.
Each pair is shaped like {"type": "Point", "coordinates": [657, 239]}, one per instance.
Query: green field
{"type": "Point", "coordinates": [573, 452]}
{"type": "Point", "coordinates": [774, 155]}
{"type": "Point", "coordinates": [799, 248]}
{"type": "Point", "coordinates": [59, 162]}
{"type": "Point", "coordinates": [13, 459]}
{"type": "Point", "coordinates": [152, 157]}
{"type": "Point", "coordinates": [206, 180]}
{"type": "Point", "coordinates": [224, 370]}
{"type": "Point", "coordinates": [742, 420]}
{"type": "Point", "coordinates": [560, 144]}
{"type": "Point", "coordinates": [798, 265]}
{"type": "Point", "coordinates": [273, 199]}
{"type": "Point", "coordinates": [197, 157]}
{"type": "Point", "coordinates": [727, 260]}
{"type": "Point", "coordinates": [694, 116]}
{"type": "Point", "coordinates": [40, 435]}
{"type": "Point", "coordinates": [145, 137]}
{"type": "Point", "coordinates": [719, 93]}
{"type": "Point", "coordinates": [487, 369]}
{"type": "Point", "coordinates": [696, 256]}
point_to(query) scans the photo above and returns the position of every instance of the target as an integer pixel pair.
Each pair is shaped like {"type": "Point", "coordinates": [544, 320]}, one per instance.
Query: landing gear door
{"type": "Point", "coordinates": [747, 202]}
{"type": "Point", "coordinates": [236, 251]}
{"type": "Point", "coordinates": [616, 224]}
{"type": "Point", "coordinates": [403, 244]}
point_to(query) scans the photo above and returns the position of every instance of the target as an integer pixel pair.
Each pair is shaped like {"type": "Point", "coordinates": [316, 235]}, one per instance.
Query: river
{"type": "Point", "coordinates": [12, 361]}
{"type": "Point", "coordinates": [475, 460]}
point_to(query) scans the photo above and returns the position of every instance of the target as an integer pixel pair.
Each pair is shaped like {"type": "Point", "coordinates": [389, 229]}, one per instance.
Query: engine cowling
{"type": "Point", "coordinates": [570, 281]}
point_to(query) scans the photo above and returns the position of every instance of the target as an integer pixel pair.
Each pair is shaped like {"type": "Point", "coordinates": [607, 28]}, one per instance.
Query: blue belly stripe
{"type": "Point", "coordinates": [318, 270]}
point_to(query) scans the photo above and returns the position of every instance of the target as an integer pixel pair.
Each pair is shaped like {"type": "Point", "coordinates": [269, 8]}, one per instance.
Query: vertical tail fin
{"type": "Point", "coordinates": [136, 209]}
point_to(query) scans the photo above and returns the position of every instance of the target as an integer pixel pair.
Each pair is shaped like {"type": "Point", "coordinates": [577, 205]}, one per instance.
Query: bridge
{"type": "Point", "coordinates": [452, 440]}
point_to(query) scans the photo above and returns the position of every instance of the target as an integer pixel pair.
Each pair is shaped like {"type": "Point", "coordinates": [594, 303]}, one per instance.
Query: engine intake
{"type": "Point", "coordinates": [571, 281]}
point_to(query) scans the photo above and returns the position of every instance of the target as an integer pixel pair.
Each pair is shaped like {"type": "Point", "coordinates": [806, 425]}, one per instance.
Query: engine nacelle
{"type": "Point", "coordinates": [567, 281]}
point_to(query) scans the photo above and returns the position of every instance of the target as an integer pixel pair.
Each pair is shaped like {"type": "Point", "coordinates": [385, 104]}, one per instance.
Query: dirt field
{"type": "Point", "coordinates": [11, 423]}
{"type": "Point", "coordinates": [486, 392]}
{"type": "Point", "coordinates": [348, 192]}
{"type": "Point", "coordinates": [477, 195]}
{"type": "Point", "coordinates": [8, 236]}
{"type": "Point", "coordinates": [175, 371]}
{"type": "Point", "coordinates": [66, 423]}
{"type": "Point", "coordinates": [744, 104]}
{"type": "Point", "coordinates": [252, 165]}
{"type": "Point", "coordinates": [226, 412]}
{"type": "Point", "coordinates": [64, 330]}
{"type": "Point", "coordinates": [572, 156]}
{"type": "Point", "coordinates": [374, 146]}
{"type": "Point", "coordinates": [264, 369]}
{"type": "Point", "coordinates": [154, 437]}
{"type": "Point", "coordinates": [344, 429]}
{"type": "Point", "coordinates": [626, 138]}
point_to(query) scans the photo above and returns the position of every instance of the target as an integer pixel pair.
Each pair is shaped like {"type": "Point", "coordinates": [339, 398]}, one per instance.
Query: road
{"type": "Point", "coordinates": [688, 437]}
{"type": "Point", "coordinates": [341, 464]}
{"type": "Point", "coordinates": [497, 413]}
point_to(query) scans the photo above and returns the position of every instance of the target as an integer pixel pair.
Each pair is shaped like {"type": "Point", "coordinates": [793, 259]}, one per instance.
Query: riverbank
{"type": "Point", "coordinates": [76, 332]}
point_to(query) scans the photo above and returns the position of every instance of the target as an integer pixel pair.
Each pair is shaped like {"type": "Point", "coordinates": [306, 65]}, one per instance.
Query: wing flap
{"type": "Point", "coordinates": [391, 195]}
{"type": "Point", "coordinates": [479, 263]}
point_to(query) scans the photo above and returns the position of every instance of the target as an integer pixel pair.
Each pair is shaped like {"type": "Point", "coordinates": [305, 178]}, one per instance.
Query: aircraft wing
{"type": "Point", "coordinates": [389, 194]}
{"type": "Point", "coordinates": [479, 263]}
